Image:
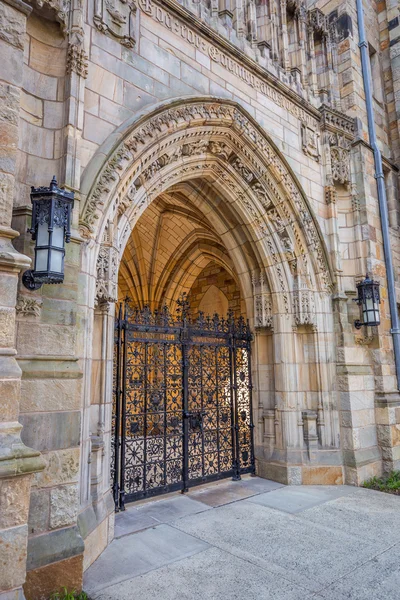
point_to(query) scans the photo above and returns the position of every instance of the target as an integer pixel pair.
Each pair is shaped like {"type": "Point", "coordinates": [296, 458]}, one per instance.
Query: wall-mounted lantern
{"type": "Point", "coordinates": [368, 300]}
{"type": "Point", "coordinates": [50, 228]}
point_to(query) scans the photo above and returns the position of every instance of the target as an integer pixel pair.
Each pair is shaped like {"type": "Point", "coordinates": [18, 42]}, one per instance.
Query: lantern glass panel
{"type": "Point", "coordinates": [42, 236]}
{"type": "Point", "coordinates": [56, 261]}
{"type": "Point", "coordinates": [58, 237]}
{"type": "Point", "coordinates": [41, 260]}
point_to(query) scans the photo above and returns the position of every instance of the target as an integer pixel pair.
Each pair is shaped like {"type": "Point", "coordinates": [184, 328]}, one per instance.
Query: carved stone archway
{"type": "Point", "coordinates": [213, 152]}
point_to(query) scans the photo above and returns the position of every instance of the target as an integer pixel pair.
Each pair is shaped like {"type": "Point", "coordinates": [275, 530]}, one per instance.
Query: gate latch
{"type": "Point", "coordinates": [196, 420]}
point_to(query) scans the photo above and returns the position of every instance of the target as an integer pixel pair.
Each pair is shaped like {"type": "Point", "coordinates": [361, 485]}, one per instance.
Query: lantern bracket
{"type": "Point", "coordinates": [29, 281]}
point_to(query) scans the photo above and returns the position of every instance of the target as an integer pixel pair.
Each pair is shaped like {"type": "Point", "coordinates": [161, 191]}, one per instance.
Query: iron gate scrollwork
{"type": "Point", "coordinates": [182, 409]}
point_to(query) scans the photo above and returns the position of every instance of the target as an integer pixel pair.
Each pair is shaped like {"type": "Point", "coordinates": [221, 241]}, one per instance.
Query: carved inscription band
{"type": "Point", "coordinates": [216, 55]}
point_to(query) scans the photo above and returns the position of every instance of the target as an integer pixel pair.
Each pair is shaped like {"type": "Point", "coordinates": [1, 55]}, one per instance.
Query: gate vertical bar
{"type": "Point", "coordinates": [123, 411]}
{"type": "Point", "coordinates": [250, 385]}
{"type": "Point", "coordinates": [236, 475]}
{"type": "Point", "coordinates": [232, 370]}
{"type": "Point", "coordinates": [185, 391]}
{"type": "Point", "coordinates": [117, 413]}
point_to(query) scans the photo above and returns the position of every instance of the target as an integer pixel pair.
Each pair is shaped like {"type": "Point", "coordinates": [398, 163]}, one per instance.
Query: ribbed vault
{"type": "Point", "coordinates": [171, 246]}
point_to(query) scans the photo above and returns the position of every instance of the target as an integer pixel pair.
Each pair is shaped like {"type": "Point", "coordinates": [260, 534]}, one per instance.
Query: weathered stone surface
{"type": "Point", "coordinates": [322, 476]}
{"type": "Point", "coordinates": [12, 26]}
{"type": "Point", "coordinates": [50, 394]}
{"type": "Point", "coordinates": [37, 339]}
{"type": "Point", "coordinates": [39, 510]}
{"type": "Point", "coordinates": [62, 466]}
{"type": "Point", "coordinates": [9, 103]}
{"type": "Point", "coordinates": [53, 546]}
{"type": "Point", "coordinates": [51, 431]}
{"type": "Point", "coordinates": [7, 324]}
{"type": "Point", "coordinates": [87, 521]}
{"type": "Point", "coordinates": [95, 543]}
{"type": "Point", "coordinates": [43, 582]}
{"type": "Point", "coordinates": [12, 556]}
{"type": "Point", "coordinates": [14, 501]}
{"type": "Point", "coordinates": [63, 506]}
{"type": "Point", "coordinates": [6, 198]}
{"type": "Point", "coordinates": [9, 398]}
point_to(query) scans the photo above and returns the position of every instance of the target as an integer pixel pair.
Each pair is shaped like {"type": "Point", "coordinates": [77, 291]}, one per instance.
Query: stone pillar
{"type": "Point", "coordinates": [17, 461]}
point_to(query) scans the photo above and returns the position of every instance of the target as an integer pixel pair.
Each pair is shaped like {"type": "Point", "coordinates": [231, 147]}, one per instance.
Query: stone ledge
{"type": "Point", "coordinates": [50, 367]}
{"type": "Point", "coordinates": [54, 546]}
{"type": "Point", "coordinates": [19, 5]}
{"type": "Point", "coordinates": [15, 457]}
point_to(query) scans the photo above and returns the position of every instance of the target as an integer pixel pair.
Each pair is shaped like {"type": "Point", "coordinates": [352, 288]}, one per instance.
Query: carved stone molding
{"type": "Point", "coordinates": [172, 133]}
{"type": "Point", "coordinates": [60, 8]}
{"type": "Point", "coordinates": [337, 122]}
{"type": "Point", "coordinates": [262, 302]}
{"type": "Point", "coordinates": [107, 273]}
{"type": "Point", "coordinates": [77, 60]}
{"type": "Point", "coordinates": [310, 142]}
{"type": "Point", "coordinates": [303, 303]}
{"type": "Point", "coordinates": [117, 19]}
{"type": "Point", "coordinates": [330, 194]}
{"type": "Point", "coordinates": [340, 158]}
{"type": "Point", "coordinates": [28, 307]}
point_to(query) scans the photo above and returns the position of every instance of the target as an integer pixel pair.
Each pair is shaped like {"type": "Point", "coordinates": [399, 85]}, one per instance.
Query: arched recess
{"type": "Point", "coordinates": [214, 154]}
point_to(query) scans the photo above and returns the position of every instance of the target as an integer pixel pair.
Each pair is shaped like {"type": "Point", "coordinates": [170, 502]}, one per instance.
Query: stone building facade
{"type": "Point", "coordinates": [218, 148]}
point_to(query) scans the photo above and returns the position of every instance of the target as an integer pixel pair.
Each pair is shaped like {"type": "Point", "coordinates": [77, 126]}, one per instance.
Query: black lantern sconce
{"type": "Point", "coordinates": [50, 228]}
{"type": "Point", "coordinates": [368, 299]}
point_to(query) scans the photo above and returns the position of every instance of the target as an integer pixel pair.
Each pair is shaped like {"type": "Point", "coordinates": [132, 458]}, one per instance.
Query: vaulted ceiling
{"type": "Point", "coordinates": [171, 244]}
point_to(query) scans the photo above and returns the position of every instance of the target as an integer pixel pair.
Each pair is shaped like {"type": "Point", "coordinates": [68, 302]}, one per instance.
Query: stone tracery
{"type": "Point", "coordinates": [177, 143]}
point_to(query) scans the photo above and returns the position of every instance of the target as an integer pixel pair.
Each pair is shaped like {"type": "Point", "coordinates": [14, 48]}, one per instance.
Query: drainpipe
{"type": "Point", "coordinates": [380, 182]}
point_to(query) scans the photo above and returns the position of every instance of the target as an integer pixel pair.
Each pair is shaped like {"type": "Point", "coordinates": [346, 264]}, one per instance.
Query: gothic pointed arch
{"type": "Point", "coordinates": [213, 151]}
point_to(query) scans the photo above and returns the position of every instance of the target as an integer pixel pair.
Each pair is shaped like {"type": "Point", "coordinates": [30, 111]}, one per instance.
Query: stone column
{"type": "Point", "coordinates": [17, 461]}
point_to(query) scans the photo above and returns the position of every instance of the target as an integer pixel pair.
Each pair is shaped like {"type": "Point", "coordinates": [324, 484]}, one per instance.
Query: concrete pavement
{"type": "Point", "coordinates": [254, 539]}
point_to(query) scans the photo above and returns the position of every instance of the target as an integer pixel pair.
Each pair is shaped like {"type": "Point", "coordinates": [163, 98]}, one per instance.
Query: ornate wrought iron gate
{"type": "Point", "coordinates": [182, 410]}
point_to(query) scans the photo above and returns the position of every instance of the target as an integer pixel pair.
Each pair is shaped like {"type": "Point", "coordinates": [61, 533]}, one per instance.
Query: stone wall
{"type": "Point", "coordinates": [77, 94]}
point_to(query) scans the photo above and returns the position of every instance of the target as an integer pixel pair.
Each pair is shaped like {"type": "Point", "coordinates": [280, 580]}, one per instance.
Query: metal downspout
{"type": "Point", "coordinates": [380, 181]}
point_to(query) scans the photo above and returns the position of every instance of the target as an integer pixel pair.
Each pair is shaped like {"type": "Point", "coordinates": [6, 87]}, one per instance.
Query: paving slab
{"type": "Point", "coordinates": [135, 554]}
{"type": "Point", "coordinates": [366, 514]}
{"type": "Point", "coordinates": [232, 491]}
{"type": "Point", "coordinates": [296, 499]}
{"type": "Point", "coordinates": [306, 553]}
{"type": "Point", "coordinates": [378, 579]}
{"type": "Point", "coordinates": [265, 541]}
{"type": "Point", "coordinates": [209, 575]}
{"type": "Point", "coordinates": [138, 517]}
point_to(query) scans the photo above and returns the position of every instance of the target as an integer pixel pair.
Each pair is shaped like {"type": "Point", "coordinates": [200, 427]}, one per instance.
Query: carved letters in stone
{"type": "Point", "coordinates": [116, 18]}
{"type": "Point", "coordinates": [107, 272]}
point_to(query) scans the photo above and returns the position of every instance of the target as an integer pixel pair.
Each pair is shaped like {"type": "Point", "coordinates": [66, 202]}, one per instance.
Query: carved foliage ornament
{"type": "Point", "coordinates": [61, 9]}
{"type": "Point", "coordinates": [340, 158]}
{"type": "Point", "coordinates": [77, 60]}
{"type": "Point", "coordinates": [107, 273]}
{"type": "Point", "coordinates": [28, 307]}
{"type": "Point", "coordinates": [262, 302]}
{"type": "Point", "coordinates": [174, 119]}
{"type": "Point", "coordinates": [117, 19]}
